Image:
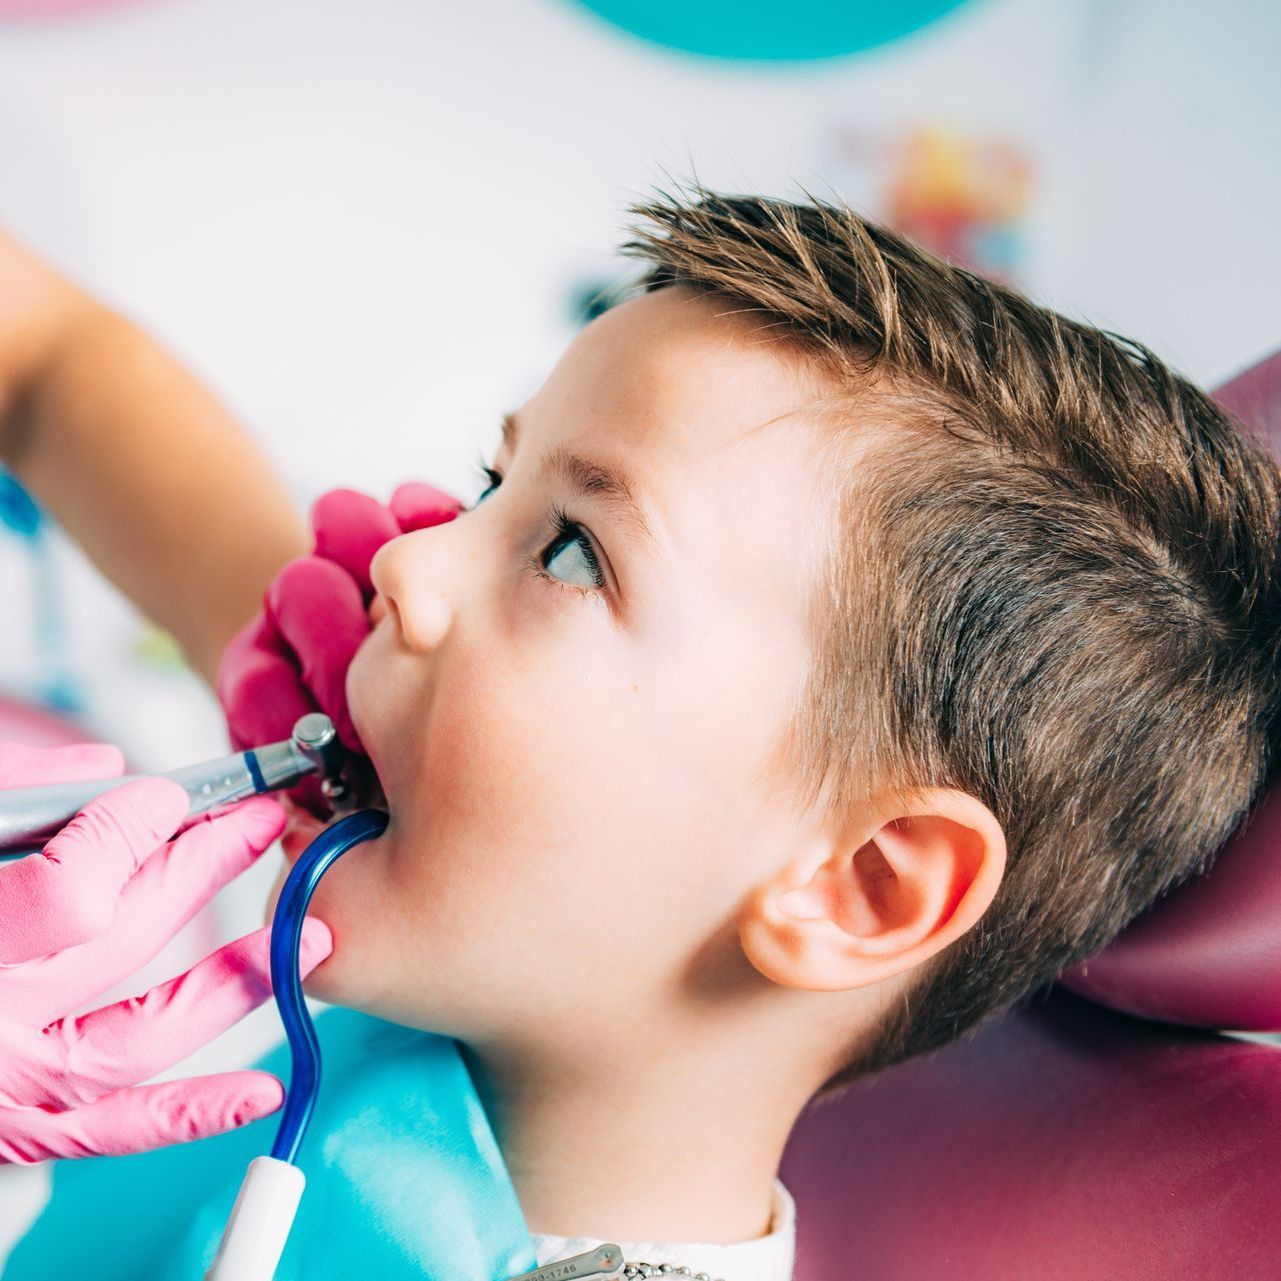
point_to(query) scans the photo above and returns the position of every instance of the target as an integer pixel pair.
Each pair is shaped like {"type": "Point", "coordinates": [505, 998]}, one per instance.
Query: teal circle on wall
{"type": "Point", "coordinates": [771, 30]}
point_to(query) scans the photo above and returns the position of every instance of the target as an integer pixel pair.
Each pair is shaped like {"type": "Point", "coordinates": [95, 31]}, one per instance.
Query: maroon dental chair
{"type": "Point", "coordinates": [1099, 1134]}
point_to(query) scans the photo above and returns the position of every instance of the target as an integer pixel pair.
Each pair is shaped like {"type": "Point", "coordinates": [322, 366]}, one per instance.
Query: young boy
{"type": "Point", "coordinates": [842, 647]}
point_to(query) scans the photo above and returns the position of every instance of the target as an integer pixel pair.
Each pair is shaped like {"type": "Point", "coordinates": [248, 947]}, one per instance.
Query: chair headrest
{"type": "Point", "coordinates": [1209, 953]}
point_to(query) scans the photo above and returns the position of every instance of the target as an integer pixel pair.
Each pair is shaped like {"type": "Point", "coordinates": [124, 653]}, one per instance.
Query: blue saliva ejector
{"type": "Point", "coordinates": [263, 1214]}
{"type": "Point", "coordinates": [30, 816]}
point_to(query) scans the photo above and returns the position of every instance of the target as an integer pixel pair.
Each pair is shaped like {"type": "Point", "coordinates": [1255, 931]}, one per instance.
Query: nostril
{"type": "Point", "coordinates": [393, 612]}
{"type": "Point", "coordinates": [385, 607]}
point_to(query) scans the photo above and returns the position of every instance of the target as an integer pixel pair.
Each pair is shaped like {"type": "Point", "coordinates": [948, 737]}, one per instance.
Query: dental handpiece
{"type": "Point", "coordinates": [29, 816]}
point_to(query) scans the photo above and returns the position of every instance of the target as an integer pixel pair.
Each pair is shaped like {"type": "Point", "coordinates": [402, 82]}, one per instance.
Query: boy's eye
{"type": "Point", "coordinates": [570, 558]}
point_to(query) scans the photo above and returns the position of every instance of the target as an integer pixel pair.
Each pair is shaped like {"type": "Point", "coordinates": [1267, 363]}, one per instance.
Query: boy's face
{"type": "Point", "coordinates": [574, 739]}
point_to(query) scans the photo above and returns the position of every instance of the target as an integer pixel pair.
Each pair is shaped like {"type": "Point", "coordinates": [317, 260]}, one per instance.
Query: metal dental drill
{"type": "Point", "coordinates": [30, 816]}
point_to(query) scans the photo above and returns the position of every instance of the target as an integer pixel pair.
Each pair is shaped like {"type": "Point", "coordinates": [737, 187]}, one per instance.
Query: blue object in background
{"type": "Point", "coordinates": [765, 30]}
{"type": "Point", "coordinates": [54, 684]}
{"type": "Point", "coordinates": [405, 1181]}
{"type": "Point", "coordinates": [18, 510]}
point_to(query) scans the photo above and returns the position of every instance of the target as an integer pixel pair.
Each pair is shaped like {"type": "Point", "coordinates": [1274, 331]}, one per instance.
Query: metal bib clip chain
{"type": "Point", "coordinates": [607, 1261]}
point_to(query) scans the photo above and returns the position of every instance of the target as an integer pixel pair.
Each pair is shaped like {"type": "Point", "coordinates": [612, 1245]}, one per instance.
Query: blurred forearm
{"type": "Point", "coordinates": [137, 461]}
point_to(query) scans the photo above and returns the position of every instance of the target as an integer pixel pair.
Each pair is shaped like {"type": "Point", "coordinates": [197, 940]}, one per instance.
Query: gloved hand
{"type": "Point", "coordinates": [104, 897]}
{"type": "Point", "coordinates": [293, 657]}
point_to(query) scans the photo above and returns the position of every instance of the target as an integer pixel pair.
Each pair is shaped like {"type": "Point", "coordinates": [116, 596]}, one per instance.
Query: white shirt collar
{"type": "Point", "coordinates": [766, 1258]}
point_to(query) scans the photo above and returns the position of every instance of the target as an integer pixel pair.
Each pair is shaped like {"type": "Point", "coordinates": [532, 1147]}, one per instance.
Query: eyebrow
{"type": "Point", "coordinates": [591, 480]}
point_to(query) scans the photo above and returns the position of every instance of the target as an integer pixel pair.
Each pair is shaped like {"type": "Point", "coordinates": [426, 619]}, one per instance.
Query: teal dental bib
{"type": "Point", "coordinates": [404, 1180]}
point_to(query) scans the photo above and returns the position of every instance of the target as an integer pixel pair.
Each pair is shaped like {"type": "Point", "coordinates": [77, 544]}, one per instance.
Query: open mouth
{"type": "Point", "coordinates": [364, 790]}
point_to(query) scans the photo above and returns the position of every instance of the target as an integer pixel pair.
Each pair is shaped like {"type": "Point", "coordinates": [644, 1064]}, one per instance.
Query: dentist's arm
{"type": "Point", "coordinates": [136, 460]}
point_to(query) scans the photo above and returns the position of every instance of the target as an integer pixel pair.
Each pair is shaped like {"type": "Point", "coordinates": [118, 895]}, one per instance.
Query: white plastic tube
{"type": "Point", "coordinates": [258, 1227]}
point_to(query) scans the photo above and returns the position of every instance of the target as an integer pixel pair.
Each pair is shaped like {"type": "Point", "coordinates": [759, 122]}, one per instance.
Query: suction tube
{"type": "Point", "coordinates": [286, 938]}
{"type": "Point", "coordinates": [263, 1214]}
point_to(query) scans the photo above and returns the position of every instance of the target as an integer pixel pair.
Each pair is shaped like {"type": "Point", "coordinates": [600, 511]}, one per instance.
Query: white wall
{"type": "Point", "coordinates": [356, 220]}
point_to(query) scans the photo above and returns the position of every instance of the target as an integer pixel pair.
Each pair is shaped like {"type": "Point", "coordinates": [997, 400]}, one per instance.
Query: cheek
{"type": "Point", "coordinates": [503, 767]}
{"type": "Point", "coordinates": [517, 742]}
{"type": "Point", "coordinates": [563, 785]}
{"type": "Point", "coordinates": [549, 788]}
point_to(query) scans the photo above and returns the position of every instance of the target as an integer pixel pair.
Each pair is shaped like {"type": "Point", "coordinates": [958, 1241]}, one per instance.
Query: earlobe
{"type": "Point", "coordinates": [877, 895]}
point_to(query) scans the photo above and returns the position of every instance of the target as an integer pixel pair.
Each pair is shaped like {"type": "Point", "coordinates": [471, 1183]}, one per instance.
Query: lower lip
{"type": "Point", "coordinates": [303, 826]}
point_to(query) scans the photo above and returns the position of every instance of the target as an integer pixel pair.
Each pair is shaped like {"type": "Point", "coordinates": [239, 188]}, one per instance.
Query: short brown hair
{"type": "Point", "coordinates": [1055, 584]}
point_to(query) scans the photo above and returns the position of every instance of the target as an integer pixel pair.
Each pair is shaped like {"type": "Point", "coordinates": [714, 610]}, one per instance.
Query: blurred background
{"type": "Point", "coordinates": [371, 228]}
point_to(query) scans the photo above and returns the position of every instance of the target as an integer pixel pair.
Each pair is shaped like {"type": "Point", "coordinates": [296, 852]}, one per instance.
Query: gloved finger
{"type": "Point", "coordinates": [416, 505]}
{"type": "Point", "coordinates": [22, 766]}
{"type": "Point", "coordinates": [349, 527]}
{"type": "Point", "coordinates": [140, 1118]}
{"type": "Point", "coordinates": [318, 609]}
{"type": "Point", "coordinates": [262, 694]}
{"type": "Point", "coordinates": [260, 687]}
{"type": "Point", "coordinates": [79, 1059]}
{"type": "Point", "coordinates": [166, 892]}
{"type": "Point", "coordinates": [67, 894]}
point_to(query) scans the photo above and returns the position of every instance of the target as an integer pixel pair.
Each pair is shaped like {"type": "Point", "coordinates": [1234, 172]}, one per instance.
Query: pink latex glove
{"type": "Point", "coordinates": [293, 657]}
{"type": "Point", "coordinates": [104, 897]}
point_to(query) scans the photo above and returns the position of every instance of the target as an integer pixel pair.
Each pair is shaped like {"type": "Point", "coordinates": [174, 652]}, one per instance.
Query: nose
{"type": "Point", "coordinates": [417, 576]}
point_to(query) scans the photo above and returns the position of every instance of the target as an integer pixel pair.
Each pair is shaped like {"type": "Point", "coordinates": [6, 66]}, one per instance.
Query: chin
{"type": "Point", "coordinates": [325, 982]}
{"type": "Point", "coordinates": [320, 985]}
{"type": "Point", "coordinates": [320, 982]}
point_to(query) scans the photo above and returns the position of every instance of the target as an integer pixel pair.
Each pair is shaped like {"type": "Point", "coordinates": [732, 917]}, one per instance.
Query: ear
{"type": "Point", "coordinates": [878, 895]}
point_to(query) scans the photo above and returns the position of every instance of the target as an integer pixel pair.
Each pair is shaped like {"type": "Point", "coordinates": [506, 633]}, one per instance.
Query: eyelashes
{"type": "Point", "coordinates": [491, 478]}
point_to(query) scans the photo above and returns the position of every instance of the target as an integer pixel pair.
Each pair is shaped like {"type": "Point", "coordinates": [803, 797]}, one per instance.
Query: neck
{"type": "Point", "coordinates": [655, 1140]}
